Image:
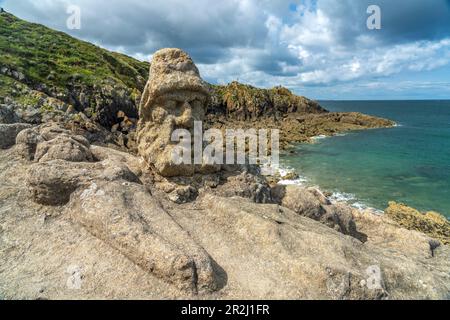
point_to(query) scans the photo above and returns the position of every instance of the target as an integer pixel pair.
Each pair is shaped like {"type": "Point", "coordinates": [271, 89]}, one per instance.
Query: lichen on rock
{"type": "Point", "coordinates": [431, 223]}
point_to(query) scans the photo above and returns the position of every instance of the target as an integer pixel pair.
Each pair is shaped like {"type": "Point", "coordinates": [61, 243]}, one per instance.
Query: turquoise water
{"type": "Point", "coordinates": [409, 163]}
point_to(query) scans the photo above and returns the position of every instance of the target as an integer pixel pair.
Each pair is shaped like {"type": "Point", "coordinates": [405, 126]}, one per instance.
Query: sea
{"type": "Point", "coordinates": [409, 163]}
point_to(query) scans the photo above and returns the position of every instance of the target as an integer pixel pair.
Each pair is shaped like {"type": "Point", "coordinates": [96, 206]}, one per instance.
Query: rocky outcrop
{"type": "Point", "coordinates": [269, 251]}
{"type": "Point", "coordinates": [243, 102]}
{"type": "Point", "coordinates": [58, 214]}
{"type": "Point", "coordinates": [244, 184]}
{"type": "Point", "coordinates": [299, 127]}
{"type": "Point", "coordinates": [148, 227]}
{"type": "Point", "coordinates": [108, 200]}
{"type": "Point", "coordinates": [311, 203]}
{"type": "Point", "coordinates": [50, 142]}
{"type": "Point", "coordinates": [431, 223]}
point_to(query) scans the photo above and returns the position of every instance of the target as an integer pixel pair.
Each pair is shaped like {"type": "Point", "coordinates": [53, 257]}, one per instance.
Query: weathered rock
{"type": "Point", "coordinates": [126, 217]}
{"type": "Point", "coordinates": [432, 224]}
{"type": "Point", "coordinates": [260, 251]}
{"type": "Point", "coordinates": [243, 102]}
{"type": "Point", "coordinates": [111, 203]}
{"type": "Point", "coordinates": [118, 159]}
{"type": "Point", "coordinates": [9, 132]}
{"type": "Point", "coordinates": [183, 194]}
{"type": "Point", "coordinates": [174, 97]}
{"type": "Point", "coordinates": [384, 233]}
{"type": "Point", "coordinates": [245, 185]}
{"type": "Point", "coordinates": [320, 196]}
{"type": "Point", "coordinates": [27, 142]}
{"type": "Point", "coordinates": [290, 176]}
{"type": "Point", "coordinates": [273, 252]}
{"type": "Point", "coordinates": [299, 200]}
{"type": "Point", "coordinates": [311, 203]}
{"type": "Point", "coordinates": [7, 115]}
{"type": "Point", "coordinates": [53, 183]}
{"type": "Point", "coordinates": [340, 217]}
{"type": "Point", "coordinates": [75, 149]}
{"type": "Point", "coordinates": [51, 142]}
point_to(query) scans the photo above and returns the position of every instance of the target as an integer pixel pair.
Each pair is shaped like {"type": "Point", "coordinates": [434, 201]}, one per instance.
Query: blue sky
{"type": "Point", "coordinates": [318, 48]}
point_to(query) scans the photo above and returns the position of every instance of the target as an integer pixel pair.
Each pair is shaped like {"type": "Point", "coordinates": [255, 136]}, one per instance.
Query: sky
{"type": "Point", "coordinates": [322, 49]}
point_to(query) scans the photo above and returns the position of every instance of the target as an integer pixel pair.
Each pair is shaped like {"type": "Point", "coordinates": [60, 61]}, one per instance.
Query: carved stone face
{"type": "Point", "coordinates": [175, 110]}
{"type": "Point", "coordinates": [181, 107]}
{"type": "Point", "coordinates": [174, 98]}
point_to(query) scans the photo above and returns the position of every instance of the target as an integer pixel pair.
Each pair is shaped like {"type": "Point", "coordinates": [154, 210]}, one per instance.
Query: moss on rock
{"type": "Point", "coordinates": [70, 70]}
{"type": "Point", "coordinates": [244, 102]}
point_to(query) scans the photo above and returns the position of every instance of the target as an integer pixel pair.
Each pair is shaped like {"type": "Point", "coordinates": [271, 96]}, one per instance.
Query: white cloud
{"type": "Point", "coordinates": [263, 42]}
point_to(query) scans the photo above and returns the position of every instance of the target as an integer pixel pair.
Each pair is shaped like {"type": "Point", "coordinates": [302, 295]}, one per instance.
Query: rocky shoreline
{"type": "Point", "coordinates": [257, 241]}
{"type": "Point", "coordinates": [84, 218]}
{"type": "Point", "coordinates": [431, 223]}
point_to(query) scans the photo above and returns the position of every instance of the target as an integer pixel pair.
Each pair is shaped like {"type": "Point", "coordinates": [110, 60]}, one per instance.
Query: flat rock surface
{"type": "Point", "coordinates": [260, 251]}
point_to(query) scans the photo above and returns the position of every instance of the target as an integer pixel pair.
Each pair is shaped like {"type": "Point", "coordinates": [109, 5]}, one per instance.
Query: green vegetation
{"type": "Point", "coordinates": [248, 102]}
{"type": "Point", "coordinates": [53, 58]}
{"type": "Point", "coordinates": [38, 63]}
{"type": "Point", "coordinates": [45, 69]}
{"type": "Point", "coordinates": [6, 85]}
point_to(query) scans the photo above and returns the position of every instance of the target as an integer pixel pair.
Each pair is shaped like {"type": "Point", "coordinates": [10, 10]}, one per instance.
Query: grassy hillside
{"type": "Point", "coordinates": [76, 72]}
{"type": "Point", "coordinates": [53, 58]}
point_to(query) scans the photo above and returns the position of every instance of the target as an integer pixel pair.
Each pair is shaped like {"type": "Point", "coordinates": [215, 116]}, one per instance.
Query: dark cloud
{"type": "Point", "coordinates": [402, 20]}
{"type": "Point", "coordinates": [266, 42]}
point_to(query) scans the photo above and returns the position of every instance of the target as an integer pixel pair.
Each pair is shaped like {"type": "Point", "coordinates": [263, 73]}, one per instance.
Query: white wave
{"type": "Point", "coordinates": [283, 172]}
{"type": "Point", "coordinates": [342, 197]}
{"type": "Point", "coordinates": [352, 200]}
{"type": "Point", "coordinates": [321, 137]}
{"type": "Point", "coordinates": [336, 197]}
{"type": "Point", "coordinates": [298, 182]}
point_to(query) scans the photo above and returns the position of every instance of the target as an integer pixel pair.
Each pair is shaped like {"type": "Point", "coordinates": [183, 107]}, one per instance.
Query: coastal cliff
{"type": "Point", "coordinates": [89, 211]}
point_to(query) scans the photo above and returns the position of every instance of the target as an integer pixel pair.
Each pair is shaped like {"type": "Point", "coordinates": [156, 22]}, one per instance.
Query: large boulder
{"type": "Point", "coordinates": [75, 149]}
{"type": "Point", "coordinates": [300, 200]}
{"type": "Point", "coordinates": [311, 203]}
{"type": "Point", "coordinates": [51, 142]}
{"type": "Point", "coordinates": [245, 185]}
